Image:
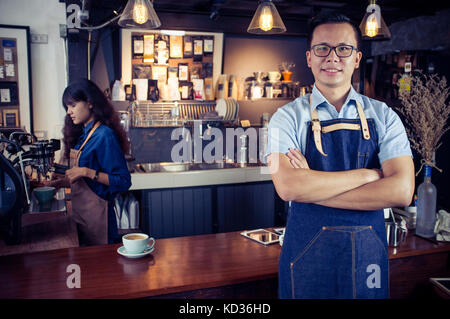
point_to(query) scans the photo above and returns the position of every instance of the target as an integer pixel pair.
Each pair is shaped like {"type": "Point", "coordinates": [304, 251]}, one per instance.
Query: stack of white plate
{"type": "Point", "coordinates": [227, 108]}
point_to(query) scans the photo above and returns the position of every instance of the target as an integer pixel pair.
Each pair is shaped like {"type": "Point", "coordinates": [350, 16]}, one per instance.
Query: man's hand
{"type": "Point", "coordinates": [297, 159]}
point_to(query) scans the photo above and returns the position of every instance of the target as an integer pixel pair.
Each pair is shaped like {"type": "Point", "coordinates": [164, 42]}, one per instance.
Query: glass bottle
{"type": "Point", "coordinates": [426, 206]}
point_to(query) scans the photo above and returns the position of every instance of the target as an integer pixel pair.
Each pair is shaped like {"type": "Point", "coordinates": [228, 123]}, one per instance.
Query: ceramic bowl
{"type": "Point", "coordinates": [44, 194]}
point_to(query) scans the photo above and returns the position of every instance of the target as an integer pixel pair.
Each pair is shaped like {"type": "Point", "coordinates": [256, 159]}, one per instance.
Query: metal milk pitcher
{"type": "Point", "coordinates": [396, 231]}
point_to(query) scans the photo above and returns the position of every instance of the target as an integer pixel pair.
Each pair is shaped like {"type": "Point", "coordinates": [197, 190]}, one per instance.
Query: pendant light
{"type": "Point", "coordinates": [373, 26]}
{"type": "Point", "coordinates": [139, 14]}
{"type": "Point", "coordinates": [266, 19]}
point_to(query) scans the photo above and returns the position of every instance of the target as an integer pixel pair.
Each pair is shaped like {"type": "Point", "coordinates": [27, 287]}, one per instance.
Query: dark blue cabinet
{"type": "Point", "coordinates": [245, 206]}
{"type": "Point", "coordinates": [177, 212]}
{"type": "Point", "coordinates": [207, 209]}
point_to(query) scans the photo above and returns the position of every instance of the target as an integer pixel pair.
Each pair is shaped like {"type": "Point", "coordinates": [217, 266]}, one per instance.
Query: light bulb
{"type": "Point", "coordinates": [140, 13]}
{"type": "Point", "coordinates": [372, 26]}
{"type": "Point", "coordinates": [266, 19]}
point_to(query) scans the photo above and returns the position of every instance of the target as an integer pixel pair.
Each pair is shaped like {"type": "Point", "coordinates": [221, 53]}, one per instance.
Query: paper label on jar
{"type": "Point", "coordinates": [176, 46]}
{"type": "Point", "coordinates": [149, 48]}
{"type": "Point", "coordinates": [183, 72]}
{"type": "Point", "coordinates": [138, 46]}
{"type": "Point", "coordinates": [184, 92]}
{"type": "Point", "coordinates": [208, 45]}
{"type": "Point", "coordinates": [162, 44]}
{"type": "Point", "coordinates": [198, 47]}
{"type": "Point", "coordinates": [187, 46]}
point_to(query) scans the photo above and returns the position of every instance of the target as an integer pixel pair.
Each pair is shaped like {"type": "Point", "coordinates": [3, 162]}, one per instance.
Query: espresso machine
{"type": "Point", "coordinates": [22, 157]}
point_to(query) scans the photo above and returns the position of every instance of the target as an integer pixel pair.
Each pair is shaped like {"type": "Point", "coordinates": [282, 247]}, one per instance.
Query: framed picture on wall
{"type": "Point", "coordinates": [8, 93]}
{"type": "Point", "coordinates": [15, 65]}
{"type": "Point", "coordinates": [10, 117]}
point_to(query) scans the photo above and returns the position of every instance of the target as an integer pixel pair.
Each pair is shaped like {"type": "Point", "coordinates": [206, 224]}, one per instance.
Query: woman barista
{"type": "Point", "coordinates": [94, 145]}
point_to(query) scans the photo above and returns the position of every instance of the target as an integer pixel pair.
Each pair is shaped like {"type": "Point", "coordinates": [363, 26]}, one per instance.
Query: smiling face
{"type": "Point", "coordinates": [333, 72]}
{"type": "Point", "coordinates": [80, 112]}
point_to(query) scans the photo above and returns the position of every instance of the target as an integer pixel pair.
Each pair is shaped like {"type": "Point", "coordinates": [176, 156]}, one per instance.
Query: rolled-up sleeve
{"type": "Point", "coordinates": [112, 162]}
{"type": "Point", "coordinates": [281, 133]}
{"type": "Point", "coordinates": [394, 142]}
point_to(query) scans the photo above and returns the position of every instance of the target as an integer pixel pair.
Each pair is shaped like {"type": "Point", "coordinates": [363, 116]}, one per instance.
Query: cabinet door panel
{"type": "Point", "coordinates": [177, 212]}
{"type": "Point", "coordinates": [245, 206]}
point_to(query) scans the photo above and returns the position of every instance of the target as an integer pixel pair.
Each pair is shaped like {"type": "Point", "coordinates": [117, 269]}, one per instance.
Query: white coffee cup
{"type": "Point", "coordinates": [136, 243]}
{"type": "Point", "coordinates": [274, 76]}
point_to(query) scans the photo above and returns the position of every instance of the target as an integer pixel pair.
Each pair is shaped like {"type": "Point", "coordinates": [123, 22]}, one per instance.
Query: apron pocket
{"type": "Point", "coordinates": [335, 262]}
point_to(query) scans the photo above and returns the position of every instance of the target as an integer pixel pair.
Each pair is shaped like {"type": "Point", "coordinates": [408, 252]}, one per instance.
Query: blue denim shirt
{"type": "Point", "coordinates": [288, 125]}
{"type": "Point", "coordinates": [103, 152]}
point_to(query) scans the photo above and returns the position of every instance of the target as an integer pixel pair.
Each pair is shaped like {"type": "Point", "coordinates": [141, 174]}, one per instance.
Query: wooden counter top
{"type": "Point", "coordinates": [176, 265]}
{"type": "Point", "coordinates": [416, 246]}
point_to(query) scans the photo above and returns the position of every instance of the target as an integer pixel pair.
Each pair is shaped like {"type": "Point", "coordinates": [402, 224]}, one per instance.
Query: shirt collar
{"type": "Point", "coordinates": [318, 98]}
{"type": "Point", "coordinates": [88, 127]}
{"type": "Point", "coordinates": [86, 130]}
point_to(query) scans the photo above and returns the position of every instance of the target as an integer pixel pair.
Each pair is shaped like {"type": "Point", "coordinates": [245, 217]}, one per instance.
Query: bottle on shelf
{"type": "Point", "coordinates": [222, 87]}
{"type": "Point", "coordinates": [232, 87]}
{"type": "Point", "coordinates": [426, 206]}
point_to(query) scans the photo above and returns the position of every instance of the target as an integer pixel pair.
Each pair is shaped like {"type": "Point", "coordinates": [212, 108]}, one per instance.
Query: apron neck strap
{"type": "Point", "coordinates": [362, 118]}
{"type": "Point", "coordinates": [316, 127]}
{"type": "Point", "coordinates": [96, 125]}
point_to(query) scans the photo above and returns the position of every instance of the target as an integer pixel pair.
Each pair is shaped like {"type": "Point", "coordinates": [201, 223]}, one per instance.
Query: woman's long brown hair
{"type": "Point", "coordinates": [87, 91]}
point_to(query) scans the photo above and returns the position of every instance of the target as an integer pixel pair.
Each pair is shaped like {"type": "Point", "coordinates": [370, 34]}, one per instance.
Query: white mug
{"type": "Point", "coordinates": [274, 76]}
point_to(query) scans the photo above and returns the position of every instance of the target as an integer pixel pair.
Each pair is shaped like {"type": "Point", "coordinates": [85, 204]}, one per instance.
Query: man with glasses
{"type": "Point", "coordinates": [340, 158]}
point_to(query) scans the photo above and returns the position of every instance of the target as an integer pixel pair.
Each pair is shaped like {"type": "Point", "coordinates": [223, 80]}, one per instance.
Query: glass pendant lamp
{"type": "Point", "coordinates": [373, 26]}
{"type": "Point", "coordinates": [139, 14]}
{"type": "Point", "coordinates": [266, 19]}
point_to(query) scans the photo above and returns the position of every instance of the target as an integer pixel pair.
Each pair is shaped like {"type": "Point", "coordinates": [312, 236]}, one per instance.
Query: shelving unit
{"type": "Point", "coordinates": [129, 61]}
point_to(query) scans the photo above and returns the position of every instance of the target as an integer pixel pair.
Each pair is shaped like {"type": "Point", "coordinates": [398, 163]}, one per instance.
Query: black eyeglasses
{"type": "Point", "coordinates": [342, 51]}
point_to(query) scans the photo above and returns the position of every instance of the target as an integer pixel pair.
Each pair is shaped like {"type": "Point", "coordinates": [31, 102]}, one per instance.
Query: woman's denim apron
{"type": "Point", "coordinates": [329, 252]}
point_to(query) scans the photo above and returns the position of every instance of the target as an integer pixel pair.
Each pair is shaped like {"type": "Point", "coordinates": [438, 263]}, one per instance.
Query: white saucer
{"type": "Point", "coordinates": [121, 250]}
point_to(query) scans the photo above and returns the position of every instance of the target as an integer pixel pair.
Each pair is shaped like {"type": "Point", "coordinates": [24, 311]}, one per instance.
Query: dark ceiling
{"type": "Point", "coordinates": [392, 10]}
{"type": "Point", "coordinates": [221, 11]}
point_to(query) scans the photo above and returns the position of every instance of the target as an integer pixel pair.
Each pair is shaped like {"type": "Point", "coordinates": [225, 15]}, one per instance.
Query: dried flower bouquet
{"type": "Point", "coordinates": [286, 66]}
{"type": "Point", "coordinates": [426, 110]}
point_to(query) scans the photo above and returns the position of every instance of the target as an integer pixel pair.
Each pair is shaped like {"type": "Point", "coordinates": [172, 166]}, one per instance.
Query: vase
{"type": "Point", "coordinates": [287, 76]}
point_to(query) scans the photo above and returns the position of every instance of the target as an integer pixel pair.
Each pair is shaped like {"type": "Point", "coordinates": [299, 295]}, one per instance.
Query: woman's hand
{"type": "Point", "coordinates": [297, 159]}
{"type": "Point", "coordinates": [59, 181]}
{"type": "Point", "coordinates": [76, 173]}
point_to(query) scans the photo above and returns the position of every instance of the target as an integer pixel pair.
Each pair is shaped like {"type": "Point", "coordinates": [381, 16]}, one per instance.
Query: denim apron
{"type": "Point", "coordinates": [330, 252]}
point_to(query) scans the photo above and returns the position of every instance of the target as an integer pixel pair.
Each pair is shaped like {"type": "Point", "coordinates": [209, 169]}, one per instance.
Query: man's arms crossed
{"type": "Point", "coordinates": [359, 189]}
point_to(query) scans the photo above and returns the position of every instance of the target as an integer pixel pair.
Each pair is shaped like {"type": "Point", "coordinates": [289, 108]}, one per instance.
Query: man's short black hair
{"type": "Point", "coordinates": [332, 17]}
